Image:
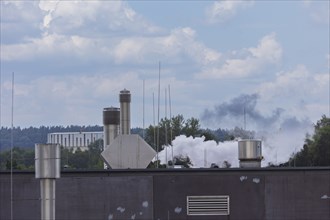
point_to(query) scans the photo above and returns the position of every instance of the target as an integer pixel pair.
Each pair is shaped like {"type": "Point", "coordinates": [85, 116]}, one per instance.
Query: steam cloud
{"type": "Point", "coordinates": [202, 154]}
{"type": "Point", "coordinates": [281, 135]}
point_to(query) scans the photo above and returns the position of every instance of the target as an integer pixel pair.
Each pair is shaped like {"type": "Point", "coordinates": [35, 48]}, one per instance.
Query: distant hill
{"type": "Point", "coordinates": [28, 137]}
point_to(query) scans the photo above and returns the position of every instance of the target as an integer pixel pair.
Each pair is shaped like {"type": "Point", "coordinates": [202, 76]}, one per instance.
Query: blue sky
{"type": "Point", "coordinates": [71, 59]}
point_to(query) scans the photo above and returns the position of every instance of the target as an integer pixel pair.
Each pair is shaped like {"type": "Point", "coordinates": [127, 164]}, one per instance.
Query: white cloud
{"type": "Point", "coordinates": [318, 11]}
{"type": "Point", "coordinates": [18, 20]}
{"type": "Point", "coordinates": [93, 18]}
{"type": "Point", "coordinates": [297, 83]}
{"type": "Point", "coordinates": [66, 99]}
{"type": "Point", "coordinates": [221, 11]}
{"type": "Point", "coordinates": [47, 45]}
{"type": "Point", "coordinates": [104, 31]}
{"type": "Point", "coordinates": [300, 91]}
{"type": "Point", "coordinates": [19, 11]}
{"type": "Point", "coordinates": [268, 51]}
{"type": "Point", "coordinates": [179, 44]}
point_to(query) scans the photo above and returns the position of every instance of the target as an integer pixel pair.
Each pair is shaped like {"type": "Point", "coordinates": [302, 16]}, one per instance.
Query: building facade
{"type": "Point", "coordinates": [174, 194]}
{"type": "Point", "coordinates": [74, 140]}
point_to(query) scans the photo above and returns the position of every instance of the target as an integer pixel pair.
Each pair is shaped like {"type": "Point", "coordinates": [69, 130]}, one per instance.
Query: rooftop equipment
{"type": "Point", "coordinates": [249, 153]}
{"type": "Point", "coordinates": [47, 169]}
{"type": "Point", "coordinates": [126, 150]}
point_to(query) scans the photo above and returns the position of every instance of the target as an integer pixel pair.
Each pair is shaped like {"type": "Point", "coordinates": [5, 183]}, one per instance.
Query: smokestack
{"type": "Point", "coordinates": [47, 169]}
{"type": "Point", "coordinates": [125, 111]}
{"type": "Point", "coordinates": [111, 121]}
{"type": "Point", "coordinates": [126, 150]}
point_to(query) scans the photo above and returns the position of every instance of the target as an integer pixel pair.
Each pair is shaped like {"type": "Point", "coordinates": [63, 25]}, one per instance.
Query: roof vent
{"type": "Point", "coordinates": [207, 205]}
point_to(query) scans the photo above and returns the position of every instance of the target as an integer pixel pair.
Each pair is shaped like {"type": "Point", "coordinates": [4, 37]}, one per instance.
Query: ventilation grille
{"type": "Point", "coordinates": [207, 205]}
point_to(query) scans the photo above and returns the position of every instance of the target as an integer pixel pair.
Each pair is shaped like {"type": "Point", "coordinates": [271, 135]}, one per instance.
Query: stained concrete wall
{"type": "Point", "coordinates": [271, 194]}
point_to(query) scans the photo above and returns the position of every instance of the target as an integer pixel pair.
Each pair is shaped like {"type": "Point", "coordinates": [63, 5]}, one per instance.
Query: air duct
{"type": "Point", "coordinates": [125, 111]}
{"type": "Point", "coordinates": [111, 121]}
{"type": "Point", "coordinates": [47, 169]}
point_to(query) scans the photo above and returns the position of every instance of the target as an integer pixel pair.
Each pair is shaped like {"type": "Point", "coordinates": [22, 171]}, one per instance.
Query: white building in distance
{"type": "Point", "coordinates": [74, 140]}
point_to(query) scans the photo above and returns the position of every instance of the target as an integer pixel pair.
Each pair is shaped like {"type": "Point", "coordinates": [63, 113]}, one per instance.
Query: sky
{"type": "Point", "coordinates": [220, 60]}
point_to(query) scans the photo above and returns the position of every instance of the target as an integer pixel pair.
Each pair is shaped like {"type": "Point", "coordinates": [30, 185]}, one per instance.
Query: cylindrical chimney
{"type": "Point", "coordinates": [125, 111]}
{"type": "Point", "coordinates": [249, 153]}
{"type": "Point", "coordinates": [111, 121]}
{"type": "Point", "coordinates": [47, 169]}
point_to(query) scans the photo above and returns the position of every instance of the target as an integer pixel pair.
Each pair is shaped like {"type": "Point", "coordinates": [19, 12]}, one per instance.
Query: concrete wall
{"type": "Point", "coordinates": [283, 194]}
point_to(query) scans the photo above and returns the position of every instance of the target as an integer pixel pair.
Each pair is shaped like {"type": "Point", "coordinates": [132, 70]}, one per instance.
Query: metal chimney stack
{"type": "Point", "coordinates": [111, 121]}
{"type": "Point", "coordinates": [47, 169]}
{"type": "Point", "coordinates": [249, 153]}
{"type": "Point", "coordinates": [125, 111]}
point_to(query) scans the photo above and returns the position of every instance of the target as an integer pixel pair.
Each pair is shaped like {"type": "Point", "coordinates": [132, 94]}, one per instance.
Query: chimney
{"type": "Point", "coordinates": [111, 121]}
{"type": "Point", "coordinates": [47, 169]}
{"type": "Point", "coordinates": [249, 153]}
{"type": "Point", "coordinates": [125, 111]}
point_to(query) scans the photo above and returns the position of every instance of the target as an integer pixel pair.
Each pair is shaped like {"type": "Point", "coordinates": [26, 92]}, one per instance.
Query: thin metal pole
{"type": "Point", "coordinates": [11, 147]}
{"type": "Point", "coordinates": [171, 132]}
{"type": "Point", "coordinates": [153, 109]}
{"type": "Point", "coordinates": [143, 135]}
{"type": "Point", "coordinates": [166, 142]}
{"type": "Point", "coordinates": [0, 107]}
{"type": "Point", "coordinates": [158, 108]}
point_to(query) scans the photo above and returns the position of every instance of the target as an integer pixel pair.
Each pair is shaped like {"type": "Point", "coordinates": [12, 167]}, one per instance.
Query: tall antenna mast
{"type": "Point", "coordinates": [205, 158]}
{"type": "Point", "coordinates": [158, 108]}
{"type": "Point", "coordinates": [0, 108]}
{"type": "Point", "coordinates": [244, 118]}
{"type": "Point", "coordinates": [166, 142]}
{"type": "Point", "coordinates": [11, 147]}
{"type": "Point", "coordinates": [153, 105]}
{"type": "Point", "coordinates": [171, 132]}
{"type": "Point", "coordinates": [143, 136]}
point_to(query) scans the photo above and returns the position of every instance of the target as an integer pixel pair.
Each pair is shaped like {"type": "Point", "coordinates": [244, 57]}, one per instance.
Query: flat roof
{"type": "Point", "coordinates": [163, 171]}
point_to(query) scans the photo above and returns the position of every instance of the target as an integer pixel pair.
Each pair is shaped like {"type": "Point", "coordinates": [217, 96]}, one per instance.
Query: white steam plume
{"type": "Point", "coordinates": [200, 151]}
{"type": "Point", "coordinates": [277, 147]}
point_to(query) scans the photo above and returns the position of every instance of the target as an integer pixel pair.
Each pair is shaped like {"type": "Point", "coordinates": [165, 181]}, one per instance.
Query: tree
{"type": "Point", "coordinates": [89, 159]}
{"type": "Point", "coordinates": [209, 136]}
{"type": "Point", "coordinates": [177, 124]}
{"type": "Point", "coordinates": [320, 144]}
{"type": "Point", "coordinates": [172, 128]}
{"type": "Point", "coordinates": [316, 150]}
{"type": "Point", "coordinates": [23, 159]}
{"type": "Point", "coordinates": [192, 127]}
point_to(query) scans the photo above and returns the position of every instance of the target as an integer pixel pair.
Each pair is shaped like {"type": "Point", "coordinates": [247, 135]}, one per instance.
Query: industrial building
{"type": "Point", "coordinates": [175, 194]}
{"type": "Point", "coordinates": [129, 192]}
{"type": "Point", "coordinates": [74, 140]}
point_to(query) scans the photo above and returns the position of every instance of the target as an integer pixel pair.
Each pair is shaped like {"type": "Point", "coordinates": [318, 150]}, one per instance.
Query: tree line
{"type": "Point", "coordinates": [28, 137]}
{"type": "Point", "coordinates": [315, 152]}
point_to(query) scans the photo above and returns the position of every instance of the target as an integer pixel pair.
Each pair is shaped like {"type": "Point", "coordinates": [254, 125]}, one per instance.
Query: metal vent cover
{"type": "Point", "coordinates": [207, 205]}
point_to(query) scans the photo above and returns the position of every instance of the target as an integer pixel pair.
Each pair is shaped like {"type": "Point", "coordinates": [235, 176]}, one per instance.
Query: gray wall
{"type": "Point", "coordinates": [283, 194]}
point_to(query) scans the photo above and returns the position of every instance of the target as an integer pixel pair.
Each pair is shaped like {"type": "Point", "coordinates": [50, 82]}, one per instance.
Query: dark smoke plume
{"type": "Point", "coordinates": [236, 108]}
